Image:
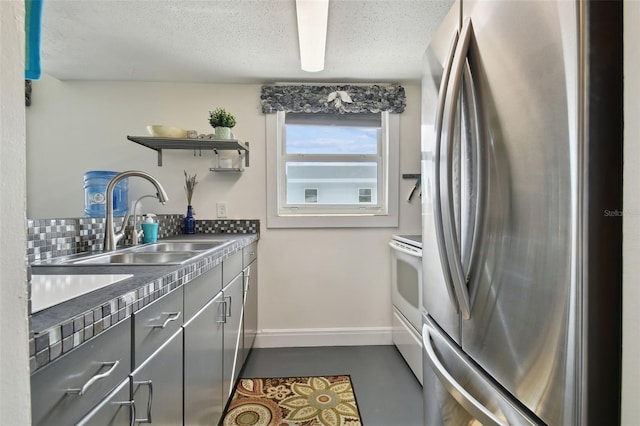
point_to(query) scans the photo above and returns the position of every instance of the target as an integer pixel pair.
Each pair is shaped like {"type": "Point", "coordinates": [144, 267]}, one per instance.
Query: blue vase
{"type": "Point", "coordinates": [189, 222]}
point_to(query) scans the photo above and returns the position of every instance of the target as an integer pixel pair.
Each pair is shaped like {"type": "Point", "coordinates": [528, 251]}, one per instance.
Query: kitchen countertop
{"type": "Point", "coordinates": [82, 317]}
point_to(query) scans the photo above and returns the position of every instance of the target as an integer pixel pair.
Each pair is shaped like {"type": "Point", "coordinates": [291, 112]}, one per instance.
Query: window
{"type": "Point", "coordinates": [311, 195]}
{"type": "Point", "coordinates": [364, 195]}
{"type": "Point", "coordinates": [332, 170]}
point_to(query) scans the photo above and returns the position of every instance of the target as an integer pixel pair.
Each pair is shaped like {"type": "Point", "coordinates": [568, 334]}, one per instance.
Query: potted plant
{"type": "Point", "coordinates": [222, 121]}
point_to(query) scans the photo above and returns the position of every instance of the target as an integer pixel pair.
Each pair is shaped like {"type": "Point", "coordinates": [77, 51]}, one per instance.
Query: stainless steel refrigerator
{"type": "Point", "coordinates": [522, 214]}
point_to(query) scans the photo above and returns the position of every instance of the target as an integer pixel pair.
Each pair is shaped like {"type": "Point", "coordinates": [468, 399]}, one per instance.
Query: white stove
{"type": "Point", "coordinates": [406, 295]}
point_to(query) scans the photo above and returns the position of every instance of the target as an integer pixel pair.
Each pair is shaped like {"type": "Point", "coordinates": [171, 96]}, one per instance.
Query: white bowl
{"type": "Point", "coordinates": [161, 131]}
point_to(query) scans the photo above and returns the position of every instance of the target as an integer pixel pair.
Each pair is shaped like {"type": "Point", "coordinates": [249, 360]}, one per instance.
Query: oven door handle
{"type": "Point", "coordinates": [405, 251]}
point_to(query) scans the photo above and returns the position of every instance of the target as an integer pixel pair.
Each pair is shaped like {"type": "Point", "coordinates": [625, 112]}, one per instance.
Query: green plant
{"type": "Point", "coordinates": [190, 184]}
{"type": "Point", "coordinates": [221, 118]}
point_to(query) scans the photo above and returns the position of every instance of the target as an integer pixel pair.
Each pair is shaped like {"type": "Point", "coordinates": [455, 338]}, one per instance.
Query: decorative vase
{"type": "Point", "coordinates": [223, 132]}
{"type": "Point", "coordinates": [189, 222]}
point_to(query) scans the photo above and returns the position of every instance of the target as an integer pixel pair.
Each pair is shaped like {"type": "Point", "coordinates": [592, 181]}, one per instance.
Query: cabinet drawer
{"type": "Point", "coordinates": [66, 389]}
{"type": "Point", "coordinates": [249, 254]}
{"type": "Point", "coordinates": [231, 267]}
{"type": "Point", "coordinates": [155, 323]}
{"type": "Point", "coordinates": [116, 409]}
{"type": "Point", "coordinates": [201, 290]}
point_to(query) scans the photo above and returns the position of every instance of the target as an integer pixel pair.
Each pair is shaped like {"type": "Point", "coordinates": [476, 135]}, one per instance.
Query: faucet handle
{"type": "Point", "coordinates": [120, 233]}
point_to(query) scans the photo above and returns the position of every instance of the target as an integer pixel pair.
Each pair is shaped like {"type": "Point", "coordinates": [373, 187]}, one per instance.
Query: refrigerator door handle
{"type": "Point", "coordinates": [472, 245]}
{"type": "Point", "coordinates": [455, 389]}
{"type": "Point", "coordinates": [437, 208]}
{"type": "Point", "coordinates": [451, 243]}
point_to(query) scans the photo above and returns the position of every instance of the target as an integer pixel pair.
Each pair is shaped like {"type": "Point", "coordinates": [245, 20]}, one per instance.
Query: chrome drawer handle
{"type": "Point", "coordinates": [172, 317]}
{"type": "Point", "coordinates": [91, 381]}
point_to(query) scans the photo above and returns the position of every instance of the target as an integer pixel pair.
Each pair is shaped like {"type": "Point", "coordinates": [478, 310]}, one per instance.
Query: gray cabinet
{"type": "Point", "coordinates": [156, 385]}
{"type": "Point", "coordinates": [232, 345]}
{"type": "Point", "coordinates": [115, 410]}
{"type": "Point", "coordinates": [250, 320]}
{"type": "Point", "coordinates": [173, 362]}
{"type": "Point", "coordinates": [68, 388]}
{"type": "Point", "coordinates": [203, 400]}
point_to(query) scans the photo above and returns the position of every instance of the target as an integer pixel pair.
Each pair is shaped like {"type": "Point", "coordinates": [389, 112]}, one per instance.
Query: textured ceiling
{"type": "Point", "coordinates": [233, 41]}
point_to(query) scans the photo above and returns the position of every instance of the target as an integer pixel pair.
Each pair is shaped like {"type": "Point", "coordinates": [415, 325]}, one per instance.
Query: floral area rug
{"type": "Point", "coordinates": [293, 401]}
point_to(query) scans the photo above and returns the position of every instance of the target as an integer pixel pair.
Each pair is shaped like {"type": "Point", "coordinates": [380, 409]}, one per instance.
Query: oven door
{"type": "Point", "coordinates": [406, 281]}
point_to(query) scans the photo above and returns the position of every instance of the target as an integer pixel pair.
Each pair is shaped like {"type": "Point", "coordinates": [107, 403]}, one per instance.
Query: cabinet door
{"type": "Point", "coordinates": [157, 385]}
{"type": "Point", "coordinates": [115, 410]}
{"type": "Point", "coordinates": [250, 325]}
{"type": "Point", "coordinates": [203, 401]}
{"type": "Point", "coordinates": [232, 333]}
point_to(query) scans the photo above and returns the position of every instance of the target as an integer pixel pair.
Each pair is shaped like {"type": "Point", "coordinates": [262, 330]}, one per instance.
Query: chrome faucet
{"type": "Point", "coordinates": [111, 236]}
{"type": "Point", "coordinates": [136, 234]}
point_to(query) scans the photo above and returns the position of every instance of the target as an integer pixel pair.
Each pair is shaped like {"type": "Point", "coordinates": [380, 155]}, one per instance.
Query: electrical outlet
{"type": "Point", "coordinates": [221, 209]}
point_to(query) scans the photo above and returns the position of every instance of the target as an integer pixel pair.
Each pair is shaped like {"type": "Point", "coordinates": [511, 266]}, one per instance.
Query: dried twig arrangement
{"type": "Point", "coordinates": [190, 184]}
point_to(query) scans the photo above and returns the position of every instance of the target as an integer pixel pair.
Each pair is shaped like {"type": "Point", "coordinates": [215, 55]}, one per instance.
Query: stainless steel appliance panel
{"type": "Point", "coordinates": [522, 324]}
{"type": "Point", "coordinates": [438, 296]}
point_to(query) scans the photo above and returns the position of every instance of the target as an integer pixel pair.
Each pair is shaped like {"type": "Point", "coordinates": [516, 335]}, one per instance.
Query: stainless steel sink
{"type": "Point", "coordinates": [180, 246]}
{"type": "Point", "coordinates": [137, 258]}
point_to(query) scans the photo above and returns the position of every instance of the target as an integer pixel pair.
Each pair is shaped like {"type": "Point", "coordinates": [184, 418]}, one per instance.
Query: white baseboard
{"type": "Point", "coordinates": [305, 337]}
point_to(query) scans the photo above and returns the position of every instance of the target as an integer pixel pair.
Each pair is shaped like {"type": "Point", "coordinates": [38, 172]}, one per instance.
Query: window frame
{"type": "Point", "coordinates": [276, 218]}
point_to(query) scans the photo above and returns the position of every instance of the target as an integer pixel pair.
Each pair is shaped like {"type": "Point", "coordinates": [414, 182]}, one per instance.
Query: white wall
{"type": "Point", "coordinates": [14, 356]}
{"type": "Point", "coordinates": [310, 280]}
{"type": "Point", "coordinates": [631, 218]}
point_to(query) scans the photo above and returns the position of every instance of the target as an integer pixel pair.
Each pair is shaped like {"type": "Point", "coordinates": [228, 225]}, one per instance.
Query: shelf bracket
{"type": "Point", "coordinates": [159, 158]}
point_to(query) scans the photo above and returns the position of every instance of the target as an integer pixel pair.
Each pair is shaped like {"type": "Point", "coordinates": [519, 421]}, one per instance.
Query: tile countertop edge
{"type": "Point", "coordinates": [52, 336]}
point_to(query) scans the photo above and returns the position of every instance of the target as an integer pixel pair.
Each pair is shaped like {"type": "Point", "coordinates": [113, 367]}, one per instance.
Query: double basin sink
{"type": "Point", "coordinates": [48, 290]}
{"type": "Point", "coordinates": [162, 252]}
{"type": "Point", "coordinates": [170, 253]}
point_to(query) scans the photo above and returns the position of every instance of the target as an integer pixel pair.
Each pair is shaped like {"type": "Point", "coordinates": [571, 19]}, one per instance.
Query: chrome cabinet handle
{"type": "Point", "coordinates": [172, 317]}
{"type": "Point", "coordinates": [251, 253]}
{"type": "Point", "coordinates": [148, 383]}
{"type": "Point", "coordinates": [113, 365]}
{"type": "Point", "coordinates": [228, 306]}
{"type": "Point", "coordinates": [132, 413]}
{"type": "Point", "coordinates": [246, 279]}
{"type": "Point", "coordinates": [446, 176]}
{"type": "Point", "coordinates": [222, 311]}
{"type": "Point", "coordinates": [455, 389]}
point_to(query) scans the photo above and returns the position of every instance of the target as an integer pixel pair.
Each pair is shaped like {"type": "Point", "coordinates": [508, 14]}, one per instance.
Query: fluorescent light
{"type": "Point", "coordinates": [312, 33]}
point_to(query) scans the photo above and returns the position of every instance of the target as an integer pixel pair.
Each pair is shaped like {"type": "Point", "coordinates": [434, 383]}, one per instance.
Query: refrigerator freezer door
{"type": "Point", "coordinates": [522, 328]}
{"type": "Point", "coordinates": [456, 392]}
{"type": "Point", "coordinates": [438, 296]}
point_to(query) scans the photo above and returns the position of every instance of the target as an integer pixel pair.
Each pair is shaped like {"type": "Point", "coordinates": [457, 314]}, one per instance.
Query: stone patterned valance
{"type": "Point", "coordinates": [333, 98]}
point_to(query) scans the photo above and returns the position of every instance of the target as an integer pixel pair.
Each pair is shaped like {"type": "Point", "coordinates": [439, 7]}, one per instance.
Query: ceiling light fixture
{"type": "Point", "coordinates": [312, 33]}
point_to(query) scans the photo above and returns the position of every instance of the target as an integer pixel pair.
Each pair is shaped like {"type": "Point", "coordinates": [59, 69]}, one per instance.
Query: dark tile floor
{"type": "Point", "coordinates": [387, 392]}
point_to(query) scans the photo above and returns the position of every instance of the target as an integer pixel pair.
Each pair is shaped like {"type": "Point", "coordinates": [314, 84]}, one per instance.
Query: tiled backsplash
{"type": "Point", "coordinates": [47, 238]}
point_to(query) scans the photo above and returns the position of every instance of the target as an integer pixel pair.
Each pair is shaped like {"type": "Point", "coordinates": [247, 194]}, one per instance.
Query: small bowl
{"type": "Point", "coordinates": [161, 131]}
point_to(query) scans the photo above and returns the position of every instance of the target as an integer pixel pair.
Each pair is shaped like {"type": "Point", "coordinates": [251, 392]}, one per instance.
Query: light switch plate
{"type": "Point", "coordinates": [221, 209]}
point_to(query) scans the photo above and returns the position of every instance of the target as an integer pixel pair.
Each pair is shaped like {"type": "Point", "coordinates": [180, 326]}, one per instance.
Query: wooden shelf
{"type": "Point", "coordinates": [159, 144]}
